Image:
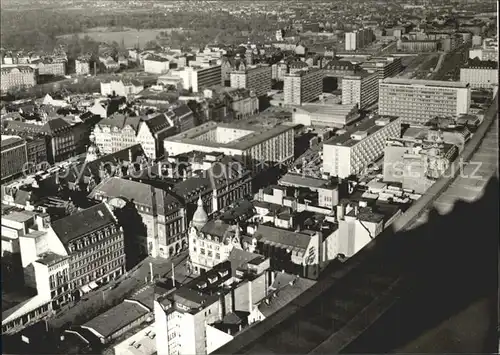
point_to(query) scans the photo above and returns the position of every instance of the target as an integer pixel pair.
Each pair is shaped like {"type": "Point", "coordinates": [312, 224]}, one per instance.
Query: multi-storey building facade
{"type": "Point", "coordinates": [416, 163]}
{"type": "Point", "coordinates": [121, 88]}
{"type": "Point", "coordinates": [258, 79]}
{"type": "Point", "coordinates": [63, 139]}
{"type": "Point", "coordinates": [386, 67]}
{"type": "Point", "coordinates": [156, 65]}
{"type": "Point", "coordinates": [279, 70]}
{"type": "Point", "coordinates": [117, 133]}
{"type": "Point", "coordinates": [351, 152]}
{"type": "Point", "coordinates": [14, 157]}
{"type": "Point", "coordinates": [242, 102]}
{"type": "Point", "coordinates": [325, 115]}
{"type": "Point", "coordinates": [484, 54]}
{"type": "Point", "coordinates": [259, 147]}
{"type": "Point", "coordinates": [162, 214]}
{"type": "Point", "coordinates": [303, 86]}
{"type": "Point", "coordinates": [358, 39]}
{"type": "Point", "coordinates": [210, 243]}
{"type": "Point", "coordinates": [17, 78]}
{"type": "Point", "coordinates": [195, 318]}
{"type": "Point", "coordinates": [219, 185]}
{"type": "Point", "coordinates": [197, 78]}
{"type": "Point", "coordinates": [414, 46]}
{"type": "Point", "coordinates": [36, 146]}
{"type": "Point", "coordinates": [51, 66]}
{"type": "Point", "coordinates": [360, 89]}
{"type": "Point", "coordinates": [418, 101]}
{"type": "Point", "coordinates": [151, 133]}
{"type": "Point", "coordinates": [82, 66]}
{"type": "Point", "coordinates": [95, 245]}
{"type": "Point", "coordinates": [480, 74]}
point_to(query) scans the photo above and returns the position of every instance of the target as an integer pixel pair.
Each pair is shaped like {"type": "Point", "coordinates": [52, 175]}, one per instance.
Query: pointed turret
{"type": "Point", "coordinates": [200, 217]}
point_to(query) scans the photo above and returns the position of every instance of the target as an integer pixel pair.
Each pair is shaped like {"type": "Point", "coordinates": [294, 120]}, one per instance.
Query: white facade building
{"type": "Point", "coordinates": [351, 152]}
{"type": "Point", "coordinates": [418, 101]}
{"type": "Point", "coordinates": [200, 77]}
{"type": "Point", "coordinates": [303, 86]}
{"type": "Point", "coordinates": [361, 89]}
{"type": "Point", "coordinates": [258, 79]}
{"type": "Point", "coordinates": [260, 147]}
{"type": "Point", "coordinates": [322, 115]}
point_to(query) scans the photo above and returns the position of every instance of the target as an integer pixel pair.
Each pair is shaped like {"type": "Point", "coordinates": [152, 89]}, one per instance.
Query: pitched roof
{"type": "Point", "coordinates": [55, 125]}
{"type": "Point", "coordinates": [83, 222]}
{"type": "Point", "coordinates": [282, 236]}
{"type": "Point", "coordinates": [116, 318]}
{"type": "Point", "coordinates": [85, 170]}
{"type": "Point", "coordinates": [157, 123]}
{"type": "Point", "coordinates": [221, 173]}
{"type": "Point", "coordinates": [137, 192]}
{"type": "Point", "coordinates": [121, 121]}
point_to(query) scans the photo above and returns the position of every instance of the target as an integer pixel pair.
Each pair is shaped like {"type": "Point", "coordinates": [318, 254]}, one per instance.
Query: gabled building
{"type": "Point", "coordinates": [162, 213]}
{"type": "Point", "coordinates": [151, 133]}
{"type": "Point", "coordinates": [182, 117]}
{"type": "Point", "coordinates": [116, 133]}
{"type": "Point", "coordinates": [94, 243]}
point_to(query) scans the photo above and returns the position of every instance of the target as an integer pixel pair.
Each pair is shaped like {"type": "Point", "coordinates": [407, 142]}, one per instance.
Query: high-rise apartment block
{"type": "Point", "coordinates": [360, 89]}
{"type": "Point", "coordinates": [418, 101]}
{"type": "Point", "coordinates": [197, 78]}
{"type": "Point", "coordinates": [303, 86]}
{"type": "Point", "coordinates": [258, 79]}
{"type": "Point", "coordinates": [358, 39]}
{"type": "Point", "coordinates": [351, 152]}
{"type": "Point", "coordinates": [385, 67]}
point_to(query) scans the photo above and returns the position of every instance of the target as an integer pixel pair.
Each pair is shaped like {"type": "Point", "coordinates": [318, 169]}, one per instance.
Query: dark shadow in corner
{"type": "Point", "coordinates": [450, 264]}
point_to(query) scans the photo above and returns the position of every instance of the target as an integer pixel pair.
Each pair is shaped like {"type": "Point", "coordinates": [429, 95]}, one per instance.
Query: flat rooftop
{"type": "Point", "coordinates": [327, 109]}
{"type": "Point", "coordinates": [431, 83]}
{"type": "Point", "coordinates": [305, 181]}
{"type": "Point", "coordinates": [369, 127]}
{"type": "Point", "coordinates": [20, 217]}
{"type": "Point", "coordinates": [257, 135]}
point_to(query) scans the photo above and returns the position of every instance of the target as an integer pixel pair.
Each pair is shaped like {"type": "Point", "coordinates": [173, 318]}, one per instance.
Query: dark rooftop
{"type": "Point", "coordinates": [116, 318]}
{"type": "Point", "coordinates": [83, 222]}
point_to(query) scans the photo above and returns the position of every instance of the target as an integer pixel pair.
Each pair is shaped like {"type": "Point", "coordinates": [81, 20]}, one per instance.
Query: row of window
{"type": "Point", "coordinates": [94, 238]}
{"type": "Point", "coordinates": [209, 253]}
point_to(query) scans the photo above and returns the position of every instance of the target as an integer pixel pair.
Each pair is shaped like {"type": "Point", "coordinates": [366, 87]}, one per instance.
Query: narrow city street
{"type": "Point", "coordinates": [99, 300]}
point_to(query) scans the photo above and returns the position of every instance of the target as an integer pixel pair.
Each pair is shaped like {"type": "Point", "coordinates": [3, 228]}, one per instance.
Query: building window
{"type": "Point", "coordinates": [202, 251]}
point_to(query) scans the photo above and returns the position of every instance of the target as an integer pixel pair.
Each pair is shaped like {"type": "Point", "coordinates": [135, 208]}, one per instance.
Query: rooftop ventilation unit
{"type": "Point", "coordinates": [359, 135]}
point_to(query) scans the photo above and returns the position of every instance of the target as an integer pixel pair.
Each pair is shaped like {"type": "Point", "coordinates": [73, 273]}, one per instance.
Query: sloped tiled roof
{"type": "Point", "coordinates": [157, 123]}
{"type": "Point", "coordinates": [137, 192]}
{"type": "Point", "coordinates": [83, 222]}
{"type": "Point", "coordinates": [121, 121]}
{"type": "Point", "coordinates": [282, 236]}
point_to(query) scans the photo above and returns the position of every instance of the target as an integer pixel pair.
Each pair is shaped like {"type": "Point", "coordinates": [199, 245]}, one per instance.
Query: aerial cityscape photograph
{"type": "Point", "coordinates": [184, 177]}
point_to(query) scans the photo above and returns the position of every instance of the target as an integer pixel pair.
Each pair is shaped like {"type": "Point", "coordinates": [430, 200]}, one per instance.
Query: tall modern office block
{"type": "Point", "coordinates": [258, 79]}
{"type": "Point", "coordinates": [418, 101]}
{"type": "Point", "coordinates": [303, 86]}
